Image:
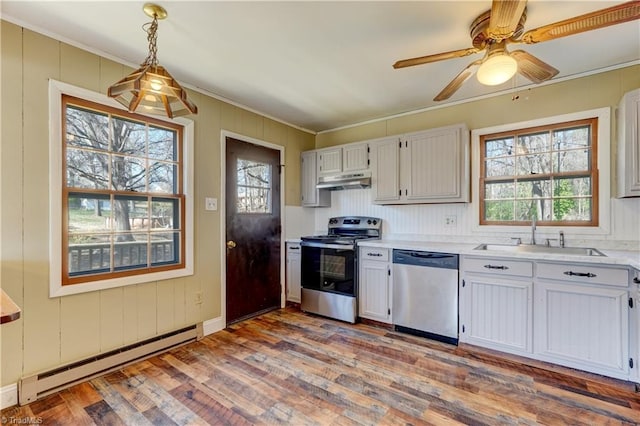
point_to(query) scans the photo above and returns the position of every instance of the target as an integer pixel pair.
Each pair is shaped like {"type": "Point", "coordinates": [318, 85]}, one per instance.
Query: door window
{"type": "Point", "coordinates": [254, 186]}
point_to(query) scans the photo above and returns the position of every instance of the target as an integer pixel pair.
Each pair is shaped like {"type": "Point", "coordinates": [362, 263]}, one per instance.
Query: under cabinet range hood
{"type": "Point", "coordinates": [345, 181]}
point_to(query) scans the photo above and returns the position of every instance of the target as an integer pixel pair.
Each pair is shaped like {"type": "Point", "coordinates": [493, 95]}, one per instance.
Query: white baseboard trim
{"type": "Point", "coordinates": [212, 325]}
{"type": "Point", "coordinates": [8, 396]}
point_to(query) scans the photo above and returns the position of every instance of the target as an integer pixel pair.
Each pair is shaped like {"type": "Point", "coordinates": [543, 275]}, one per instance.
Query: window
{"type": "Point", "coordinates": [548, 172]}
{"type": "Point", "coordinates": [123, 193]}
{"type": "Point", "coordinates": [254, 186]}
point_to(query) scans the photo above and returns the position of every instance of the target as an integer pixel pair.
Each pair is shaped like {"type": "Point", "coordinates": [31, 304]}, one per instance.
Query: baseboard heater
{"type": "Point", "coordinates": [31, 388]}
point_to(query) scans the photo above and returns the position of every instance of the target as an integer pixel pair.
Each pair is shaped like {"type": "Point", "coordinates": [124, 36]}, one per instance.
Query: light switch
{"type": "Point", "coordinates": [211, 203]}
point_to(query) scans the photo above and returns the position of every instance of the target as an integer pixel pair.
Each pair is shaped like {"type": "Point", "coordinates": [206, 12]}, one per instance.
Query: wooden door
{"type": "Point", "coordinates": [253, 229]}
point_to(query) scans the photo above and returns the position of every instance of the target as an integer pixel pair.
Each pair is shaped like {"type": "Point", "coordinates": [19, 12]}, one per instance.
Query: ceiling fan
{"type": "Point", "coordinates": [504, 24]}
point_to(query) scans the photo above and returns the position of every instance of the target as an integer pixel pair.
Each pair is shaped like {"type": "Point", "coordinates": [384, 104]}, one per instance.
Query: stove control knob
{"type": "Point", "coordinates": [369, 222]}
{"type": "Point", "coordinates": [375, 222]}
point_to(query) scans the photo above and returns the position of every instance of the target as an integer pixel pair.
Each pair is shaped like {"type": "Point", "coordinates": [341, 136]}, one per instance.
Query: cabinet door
{"type": "Point", "coordinates": [374, 294]}
{"type": "Point", "coordinates": [329, 161]}
{"type": "Point", "coordinates": [635, 322]}
{"type": "Point", "coordinates": [310, 195]}
{"type": "Point", "coordinates": [293, 272]}
{"type": "Point", "coordinates": [385, 167]}
{"type": "Point", "coordinates": [355, 157]}
{"type": "Point", "coordinates": [434, 166]}
{"type": "Point", "coordinates": [496, 313]}
{"type": "Point", "coordinates": [582, 326]}
{"type": "Point", "coordinates": [629, 145]}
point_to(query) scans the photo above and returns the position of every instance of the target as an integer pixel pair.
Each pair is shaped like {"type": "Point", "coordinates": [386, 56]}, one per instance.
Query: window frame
{"type": "Point", "coordinates": [592, 171]}
{"type": "Point", "coordinates": [59, 283]}
{"type": "Point", "coordinates": [604, 170]}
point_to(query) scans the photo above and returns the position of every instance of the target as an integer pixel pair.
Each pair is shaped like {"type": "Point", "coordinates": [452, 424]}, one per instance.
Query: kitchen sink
{"type": "Point", "coordinates": [527, 248]}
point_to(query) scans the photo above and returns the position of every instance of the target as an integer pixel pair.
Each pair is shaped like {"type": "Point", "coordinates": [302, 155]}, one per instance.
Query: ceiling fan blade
{"type": "Point", "coordinates": [434, 58]}
{"type": "Point", "coordinates": [533, 68]}
{"type": "Point", "coordinates": [505, 16]}
{"type": "Point", "coordinates": [458, 81]}
{"type": "Point", "coordinates": [613, 15]}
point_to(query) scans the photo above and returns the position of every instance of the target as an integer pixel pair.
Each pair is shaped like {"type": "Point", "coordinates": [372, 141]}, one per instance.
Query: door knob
{"type": "Point", "coordinates": [231, 244]}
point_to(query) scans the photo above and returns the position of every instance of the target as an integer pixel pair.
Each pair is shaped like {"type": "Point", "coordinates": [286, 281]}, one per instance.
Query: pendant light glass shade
{"type": "Point", "coordinates": [151, 89]}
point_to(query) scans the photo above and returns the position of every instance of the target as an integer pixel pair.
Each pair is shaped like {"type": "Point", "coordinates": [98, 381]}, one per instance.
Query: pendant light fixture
{"type": "Point", "coordinates": [150, 88]}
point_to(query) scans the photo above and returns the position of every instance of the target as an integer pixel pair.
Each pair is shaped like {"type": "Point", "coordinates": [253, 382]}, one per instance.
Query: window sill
{"type": "Point", "coordinates": [56, 289]}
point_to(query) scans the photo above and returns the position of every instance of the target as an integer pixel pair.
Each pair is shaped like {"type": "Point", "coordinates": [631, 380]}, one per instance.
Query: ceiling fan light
{"type": "Point", "coordinates": [497, 69]}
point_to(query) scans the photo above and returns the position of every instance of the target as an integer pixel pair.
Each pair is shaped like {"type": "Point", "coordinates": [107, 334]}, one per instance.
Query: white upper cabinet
{"type": "Point", "coordinates": [629, 145]}
{"type": "Point", "coordinates": [329, 161]}
{"type": "Point", "coordinates": [424, 167]}
{"type": "Point", "coordinates": [355, 157]}
{"type": "Point", "coordinates": [385, 170]}
{"type": "Point", "coordinates": [345, 158]}
{"type": "Point", "coordinates": [310, 195]}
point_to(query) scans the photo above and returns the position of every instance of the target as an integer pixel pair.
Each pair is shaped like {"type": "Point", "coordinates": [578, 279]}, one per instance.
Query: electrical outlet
{"type": "Point", "coordinates": [198, 298]}
{"type": "Point", "coordinates": [450, 221]}
{"type": "Point", "coordinates": [211, 204]}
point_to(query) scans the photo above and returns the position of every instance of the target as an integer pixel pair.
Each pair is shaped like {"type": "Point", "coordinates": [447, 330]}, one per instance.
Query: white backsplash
{"type": "Point", "coordinates": [427, 222]}
{"type": "Point", "coordinates": [299, 221]}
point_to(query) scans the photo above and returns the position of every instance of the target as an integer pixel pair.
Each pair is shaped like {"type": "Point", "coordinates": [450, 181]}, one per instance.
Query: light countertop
{"type": "Point", "coordinates": [613, 257]}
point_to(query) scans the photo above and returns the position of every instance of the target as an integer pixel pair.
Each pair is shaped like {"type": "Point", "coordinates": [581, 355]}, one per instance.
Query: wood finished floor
{"type": "Point", "coordinates": [286, 367]}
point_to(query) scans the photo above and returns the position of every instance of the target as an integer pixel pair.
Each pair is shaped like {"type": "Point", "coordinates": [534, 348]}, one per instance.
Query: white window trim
{"type": "Point", "coordinates": [56, 289]}
{"type": "Point", "coordinates": [604, 171]}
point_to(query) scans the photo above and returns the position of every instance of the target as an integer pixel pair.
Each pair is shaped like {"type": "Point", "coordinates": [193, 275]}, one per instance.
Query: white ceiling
{"type": "Point", "coordinates": [319, 65]}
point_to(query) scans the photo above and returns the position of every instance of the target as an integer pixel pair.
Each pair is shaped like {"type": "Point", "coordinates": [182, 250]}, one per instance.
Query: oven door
{"type": "Point", "coordinates": [329, 267]}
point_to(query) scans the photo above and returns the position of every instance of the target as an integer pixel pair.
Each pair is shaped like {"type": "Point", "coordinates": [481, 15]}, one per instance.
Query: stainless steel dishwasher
{"type": "Point", "coordinates": [425, 294]}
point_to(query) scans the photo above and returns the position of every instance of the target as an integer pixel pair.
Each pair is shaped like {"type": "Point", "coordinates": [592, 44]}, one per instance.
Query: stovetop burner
{"type": "Point", "coordinates": [348, 230]}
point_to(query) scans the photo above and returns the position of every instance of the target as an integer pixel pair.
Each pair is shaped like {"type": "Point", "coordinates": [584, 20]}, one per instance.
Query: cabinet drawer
{"type": "Point", "coordinates": [371, 253]}
{"type": "Point", "coordinates": [488, 265]}
{"type": "Point", "coordinates": [293, 248]}
{"type": "Point", "coordinates": [589, 274]}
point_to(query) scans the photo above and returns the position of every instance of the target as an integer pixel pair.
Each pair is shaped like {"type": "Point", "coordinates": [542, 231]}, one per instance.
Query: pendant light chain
{"type": "Point", "coordinates": [152, 37]}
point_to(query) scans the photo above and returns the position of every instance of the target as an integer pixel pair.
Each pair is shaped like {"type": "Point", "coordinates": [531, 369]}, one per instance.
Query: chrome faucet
{"type": "Point", "coordinates": [533, 230]}
{"type": "Point", "coordinates": [561, 239]}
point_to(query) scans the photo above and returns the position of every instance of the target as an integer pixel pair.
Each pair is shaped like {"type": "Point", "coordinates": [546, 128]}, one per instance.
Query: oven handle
{"type": "Point", "coordinates": [344, 247]}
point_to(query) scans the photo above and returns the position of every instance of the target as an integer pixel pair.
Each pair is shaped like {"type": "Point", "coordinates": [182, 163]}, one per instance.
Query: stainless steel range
{"type": "Point", "coordinates": [330, 267]}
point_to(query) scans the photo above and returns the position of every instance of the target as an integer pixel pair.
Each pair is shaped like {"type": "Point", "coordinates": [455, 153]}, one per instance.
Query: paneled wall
{"type": "Point", "coordinates": [53, 332]}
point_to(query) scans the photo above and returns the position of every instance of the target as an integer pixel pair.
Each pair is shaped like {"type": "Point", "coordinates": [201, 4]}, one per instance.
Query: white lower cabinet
{"type": "Point", "coordinates": [294, 272]}
{"type": "Point", "coordinates": [374, 284]}
{"type": "Point", "coordinates": [497, 313]}
{"type": "Point", "coordinates": [583, 327]}
{"type": "Point", "coordinates": [635, 325]}
{"type": "Point", "coordinates": [496, 304]}
{"type": "Point", "coordinates": [576, 315]}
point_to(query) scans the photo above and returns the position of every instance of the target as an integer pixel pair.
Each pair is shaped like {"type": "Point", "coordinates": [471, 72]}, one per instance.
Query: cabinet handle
{"type": "Point", "coordinates": [636, 280]}
{"type": "Point", "coordinates": [294, 248]}
{"type": "Point", "coordinates": [580, 274]}
{"type": "Point", "coordinates": [502, 267]}
{"type": "Point", "coordinates": [374, 254]}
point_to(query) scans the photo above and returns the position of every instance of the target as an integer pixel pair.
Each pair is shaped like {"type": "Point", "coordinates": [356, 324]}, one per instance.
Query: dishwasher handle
{"type": "Point", "coordinates": [427, 255]}
{"type": "Point", "coordinates": [425, 259]}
